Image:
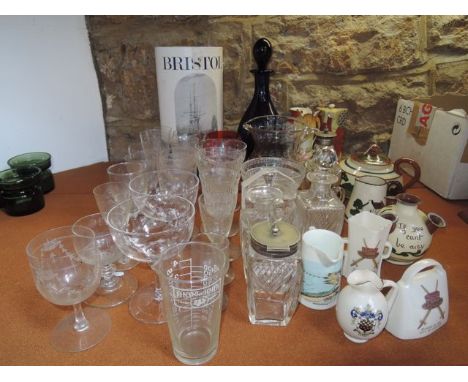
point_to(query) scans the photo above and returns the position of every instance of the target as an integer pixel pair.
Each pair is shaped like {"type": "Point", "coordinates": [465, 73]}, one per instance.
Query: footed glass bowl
{"type": "Point", "coordinates": [38, 159]}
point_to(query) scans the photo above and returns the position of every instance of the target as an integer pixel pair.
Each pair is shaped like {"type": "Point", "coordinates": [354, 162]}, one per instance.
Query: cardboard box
{"type": "Point", "coordinates": [434, 132]}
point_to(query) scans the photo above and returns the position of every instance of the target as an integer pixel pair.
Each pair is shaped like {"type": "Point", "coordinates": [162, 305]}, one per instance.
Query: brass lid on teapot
{"type": "Point", "coordinates": [373, 156]}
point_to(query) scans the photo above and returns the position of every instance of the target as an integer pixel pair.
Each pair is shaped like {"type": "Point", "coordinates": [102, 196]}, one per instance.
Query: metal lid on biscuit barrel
{"type": "Point", "coordinates": [276, 241]}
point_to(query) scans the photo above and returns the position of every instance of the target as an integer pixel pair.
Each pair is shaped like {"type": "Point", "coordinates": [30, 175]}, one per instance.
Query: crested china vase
{"type": "Point", "coordinates": [362, 310]}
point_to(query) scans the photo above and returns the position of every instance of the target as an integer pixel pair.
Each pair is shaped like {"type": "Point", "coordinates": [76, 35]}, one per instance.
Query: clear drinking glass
{"type": "Point", "coordinates": [222, 243]}
{"type": "Point", "coordinates": [171, 181]}
{"type": "Point", "coordinates": [192, 282]}
{"type": "Point", "coordinates": [143, 227]}
{"type": "Point", "coordinates": [221, 152]}
{"type": "Point", "coordinates": [278, 136]}
{"type": "Point", "coordinates": [108, 195]}
{"type": "Point", "coordinates": [220, 185]}
{"type": "Point", "coordinates": [113, 290]}
{"type": "Point", "coordinates": [66, 270]}
{"type": "Point", "coordinates": [217, 217]}
{"type": "Point", "coordinates": [151, 144]}
{"type": "Point", "coordinates": [177, 156]}
{"type": "Point", "coordinates": [125, 171]}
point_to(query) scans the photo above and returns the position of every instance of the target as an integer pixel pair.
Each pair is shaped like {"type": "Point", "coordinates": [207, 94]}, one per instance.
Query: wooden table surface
{"type": "Point", "coordinates": [312, 337]}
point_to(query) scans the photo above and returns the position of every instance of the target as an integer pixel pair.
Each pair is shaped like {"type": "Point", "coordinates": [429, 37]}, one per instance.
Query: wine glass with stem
{"type": "Point", "coordinates": [66, 270]}
{"type": "Point", "coordinates": [107, 195]}
{"type": "Point", "coordinates": [114, 288]}
{"type": "Point", "coordinates": [143, 227]}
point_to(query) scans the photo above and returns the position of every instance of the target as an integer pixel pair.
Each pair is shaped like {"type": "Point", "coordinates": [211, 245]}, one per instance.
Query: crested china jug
{"type": "Point", "coordinates": [362, 310]}
{"type": "Point", "coordinates": [374, 162]}
{"type": "Point", "coordinates": [422, 304]}
{"type": "Point", "coordinates": [414, 229]}
{"type": "Point", "coordinates": [322, 258]}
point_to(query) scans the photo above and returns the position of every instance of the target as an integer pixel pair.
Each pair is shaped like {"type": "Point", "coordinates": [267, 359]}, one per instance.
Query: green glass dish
{"type": "Point", "coordinates": [21, 190]}
{"type": "Point", "coordinates": [39, 159]}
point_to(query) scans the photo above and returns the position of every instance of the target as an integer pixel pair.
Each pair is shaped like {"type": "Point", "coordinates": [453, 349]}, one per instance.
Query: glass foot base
{"type": "Point", "coordinates": [230, 276]}
{"type": "Point", "coordinates": [145, 308]}
{"type": "Point", "coordinates": [195, 347]}
{"type": "Point", "coordinates": [225, 302]}
{"type": "Point", "coordinates": [234, 251]}
{"type": "Point", "coordinates": [126, 288]}
{"type": "Point", "coordinates": [125, 264]}
{"type": "Point", "coordinates": [65, 338]}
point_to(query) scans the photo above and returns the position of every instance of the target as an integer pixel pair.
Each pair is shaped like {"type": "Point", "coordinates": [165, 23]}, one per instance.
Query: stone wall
{"type": "Point", "coordinates": [364, 63]}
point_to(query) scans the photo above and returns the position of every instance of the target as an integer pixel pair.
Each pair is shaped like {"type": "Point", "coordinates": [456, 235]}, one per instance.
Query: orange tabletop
{"type": "Point", "coordinates": [312, 337]}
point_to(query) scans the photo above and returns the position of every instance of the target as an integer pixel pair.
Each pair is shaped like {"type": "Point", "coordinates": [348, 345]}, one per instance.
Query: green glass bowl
{"type": "Point", "coordinates": [39, 159]}
{"type": "Point", "coordinates": [21, 191]}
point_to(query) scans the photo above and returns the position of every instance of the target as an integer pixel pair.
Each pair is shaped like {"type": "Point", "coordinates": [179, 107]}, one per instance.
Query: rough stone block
{"type": "Point", "coordinates": [343, 44]}
{"type": "Point", "coordinates": [452, 78]}
{"type": "Point", "coordinates": [448, 33]}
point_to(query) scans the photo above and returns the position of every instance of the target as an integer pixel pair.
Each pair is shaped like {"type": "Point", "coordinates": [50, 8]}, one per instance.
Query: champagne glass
{"type": "Point", "coordinates": [113, 290]}
{"type": "Point", "coordinates": [143, 227]}
{"type": "Point", "coordinates": [170, 181]}
{"type": "Point", "coordinates": [66, 270]}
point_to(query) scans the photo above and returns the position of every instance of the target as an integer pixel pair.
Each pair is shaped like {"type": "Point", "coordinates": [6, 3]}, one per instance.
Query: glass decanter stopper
{"type": "Point", "coordinates": [261, 103]}
{"type": "Point", "coordinates": [324, 157]}
{"type": "Point", "coordinates": [320, 207]}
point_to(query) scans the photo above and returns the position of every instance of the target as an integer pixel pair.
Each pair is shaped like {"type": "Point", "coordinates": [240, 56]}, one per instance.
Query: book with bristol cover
{"type": "Point", "coordinates": [190, 90]}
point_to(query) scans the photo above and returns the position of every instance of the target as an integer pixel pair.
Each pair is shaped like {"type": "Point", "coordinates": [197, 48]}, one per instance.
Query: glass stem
{"type": "Point", "coordinates": [124, 260]}
{"type": "Point", "coordinates": [81, 323]}
{"type": "Point", "coordinates": [157, 290]}
{"type": "Point", "coordinates": [108, 278]}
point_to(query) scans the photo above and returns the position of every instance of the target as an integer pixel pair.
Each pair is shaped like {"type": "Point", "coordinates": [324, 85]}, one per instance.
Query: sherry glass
{"type": "Point", "coordinates": [143, 227]}
{"type": "Point", "coordinates": [113, 290]}
{"type": "Point", "coordinates": [66, 270]}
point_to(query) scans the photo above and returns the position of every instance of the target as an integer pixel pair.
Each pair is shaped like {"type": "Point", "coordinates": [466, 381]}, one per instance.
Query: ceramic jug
{"type": "Point", "coordinates": [322, 258]}
{"type": "Point", "coordinates": [374, 162]}
{"type": "Point", "coordinates": [362, 310]}
{"type": "Point", "coordinates": [422, 304]}
{"type": "Point", "coordinates": [414, 229]}
{"type": "Point", "coordinates": [367, 243]}
{"type": "Point", "coordinates": [369, 194]}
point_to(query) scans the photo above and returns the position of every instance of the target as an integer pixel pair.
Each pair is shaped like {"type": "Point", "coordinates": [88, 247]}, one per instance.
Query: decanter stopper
{"type": "Point", "coordinates": [262, 51]}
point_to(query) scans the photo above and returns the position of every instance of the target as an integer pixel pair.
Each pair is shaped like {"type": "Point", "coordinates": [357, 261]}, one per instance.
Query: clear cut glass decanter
{"type": "Point", "coordinates": [319, 207]}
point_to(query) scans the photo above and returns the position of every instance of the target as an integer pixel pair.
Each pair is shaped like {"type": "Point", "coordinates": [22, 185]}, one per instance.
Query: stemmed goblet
{"type": "Point", "coordinates": [143, 227]}
{"type": "Point", "coordinates": [108, 195]}
{"type": "Point", "coordinates": [113, 290]}
{"type": "Point", "coordinates": [66, 271]}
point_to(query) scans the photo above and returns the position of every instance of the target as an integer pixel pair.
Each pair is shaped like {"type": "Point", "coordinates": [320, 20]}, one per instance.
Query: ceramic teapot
{"type": "Point", "coordinates": [374, 162]}
{"type": "Point", "coordinates": [422, 304]}
{"type": "Point", "coordinates": [413, 231]}
{"type": "Point", "coordinates": [362, 310]}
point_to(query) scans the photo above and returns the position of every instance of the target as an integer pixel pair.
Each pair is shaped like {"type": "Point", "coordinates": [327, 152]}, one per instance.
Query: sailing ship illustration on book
{"type": "Point", "coordinates": [194, 107]}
